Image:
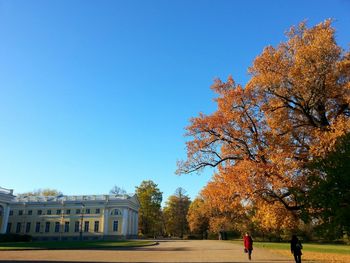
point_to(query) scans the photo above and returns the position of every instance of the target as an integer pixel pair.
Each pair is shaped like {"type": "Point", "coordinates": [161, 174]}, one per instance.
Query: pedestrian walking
{"type": "Point", "coordinates": [248, 245]}
{"type": "Point", "coordinates": [295, 248]}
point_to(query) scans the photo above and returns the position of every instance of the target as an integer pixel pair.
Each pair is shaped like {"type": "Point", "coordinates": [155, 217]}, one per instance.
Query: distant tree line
{"type": "Point", "coordinates": [155, 221]}
{"type": "Point", "coordinates": [41, 192]}
{"type": "Point", "coordinates": [215, 212]}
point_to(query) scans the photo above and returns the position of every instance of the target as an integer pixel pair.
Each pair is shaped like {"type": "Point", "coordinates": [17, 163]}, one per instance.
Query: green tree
{"type": "Point", "coordinates": [41, 192]}
{"type": "Point", "coordinates": [150, 198]}
{"type": "Point", "coordinates": [328, 198]}
{"type": "Point", "coordinates": [175, 213]}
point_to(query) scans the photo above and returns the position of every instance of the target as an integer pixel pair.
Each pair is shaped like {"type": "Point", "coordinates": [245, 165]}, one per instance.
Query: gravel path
{"type": "Point", "coordinates": [166, 251]}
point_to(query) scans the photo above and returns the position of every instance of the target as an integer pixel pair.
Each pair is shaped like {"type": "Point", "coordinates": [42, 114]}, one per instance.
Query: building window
{"type": "Point", "coordinates": [18, 227]}
{"type": "Point", "coordinates": [48, 212]}
{"type": "Point", "coordinates": [76, 226]}
{"type": "Point", "coordinates": [11, 212]}
{"type": "Point", "coordinates": [77, 211]}
{"type": "Point", "coordinates": [47, 227]}
{"type": "Point", "coordinates": [116, 212]}
{"type": "Point", "coordinates": [28, 227]}
{"type": "Point", "coordinates": [20, 212]}
{"type": "Point", "coordinates": [68, 211]}
{"type": "Point", "coordinates": [115, 226]}
{"type": "Point", "coordinates": [86, 226]}
{"type": "Point", "coordinates": [87, 211]}
{"type": "Point", "coordinates": [58, 211]}
{"type": "Point", "coordinates": [9, 225]}
{"type": "Point", "coordinates": [66, 227]}
{"type": "Point", "coordinates": [37, 227]}
{"type": "Point", "coordinates": [96, 226]}
{"type": "Point", "coordinates": [40, 212]}
{"type": "Point", "coordinates": [30, 212]}
{"type": "Point", "coordinates": [57, 227]}
{"type": "Point", "coordinates": [98, 210]}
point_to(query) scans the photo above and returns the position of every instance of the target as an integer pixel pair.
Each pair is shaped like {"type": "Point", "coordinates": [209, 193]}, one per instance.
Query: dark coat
{"type": "Point", "coordinates": [295, 246]}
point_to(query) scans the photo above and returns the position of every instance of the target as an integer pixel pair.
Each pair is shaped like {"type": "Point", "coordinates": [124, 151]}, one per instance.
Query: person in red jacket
{"type": "Point", "coordinates": [248, 245]}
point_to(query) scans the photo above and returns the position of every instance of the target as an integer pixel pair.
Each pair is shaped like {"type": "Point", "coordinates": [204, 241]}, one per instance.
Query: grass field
{"type": "Point", "coordinates": [323, 248]}
{"type": "Point", "coordinates": [74, 244]}
{"type": "Point", "coordinates": [311, 251]}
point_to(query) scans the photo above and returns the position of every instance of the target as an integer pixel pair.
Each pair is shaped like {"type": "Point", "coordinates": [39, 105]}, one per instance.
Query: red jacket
{"type": "Point", "coordinates": [248, 242]}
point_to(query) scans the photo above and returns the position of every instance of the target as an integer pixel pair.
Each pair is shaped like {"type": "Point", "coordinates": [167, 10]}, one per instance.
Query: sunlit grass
{"type": "Point", "coordinates": [311, 251]}
{"type": "Point", "coordinates": [324, 248]}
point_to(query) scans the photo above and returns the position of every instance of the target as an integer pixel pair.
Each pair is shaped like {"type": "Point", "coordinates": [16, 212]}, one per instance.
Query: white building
{"type": "Point", "coordinates": [70, 217]}
{"type": "Point", "coordinates": [6, 196]}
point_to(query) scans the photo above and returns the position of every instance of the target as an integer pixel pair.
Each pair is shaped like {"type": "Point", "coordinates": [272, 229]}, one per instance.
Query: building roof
{"type": "Point", "coordinates": [6, 191]}
{"type": "Point", "coordinates": [63, 198]}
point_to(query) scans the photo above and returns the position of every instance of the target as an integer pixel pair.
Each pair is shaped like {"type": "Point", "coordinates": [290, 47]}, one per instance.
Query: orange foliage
{"type": "Point", "coordinates": [262, 136]}
{"type": "Point", "coordinates": [198, 216]}
{"type": "Point", "coordinates": [274, 218]}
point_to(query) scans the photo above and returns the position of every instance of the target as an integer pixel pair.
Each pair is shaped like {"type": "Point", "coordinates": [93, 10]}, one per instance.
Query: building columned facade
{"type": "Point", "coordinates": [6, 196]}
{"type": "Point", "coordinates": [69, 217]}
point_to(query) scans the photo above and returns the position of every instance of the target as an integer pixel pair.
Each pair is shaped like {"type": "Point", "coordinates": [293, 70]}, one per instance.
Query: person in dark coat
{"type": "Point", "coordinates": [248, 245]}
{"type": "Point", "coordinates": [295, 248]}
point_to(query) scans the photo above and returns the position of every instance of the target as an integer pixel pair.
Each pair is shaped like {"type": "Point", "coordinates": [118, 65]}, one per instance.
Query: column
{"type": "Point", "coordinates": [130, 222]}
{"type": "Point", "coordinates": [136, 223]}
{"type": "Point", "coordinates": [5, 218]}
{"type": "Point", "coordinates": [132, 232]}
{"type": "Point", "coordinates": [105, 221]}
{"type": "Point", "coordinates": [125, 222]}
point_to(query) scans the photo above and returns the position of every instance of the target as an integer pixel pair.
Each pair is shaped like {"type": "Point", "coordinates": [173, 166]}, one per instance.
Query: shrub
{"type": "Point", "coordinates": [15, 238]}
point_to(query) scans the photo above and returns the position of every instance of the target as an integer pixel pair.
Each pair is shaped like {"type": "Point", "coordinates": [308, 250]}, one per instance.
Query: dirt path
{"type": "Point", "coordinates": [166, 251]}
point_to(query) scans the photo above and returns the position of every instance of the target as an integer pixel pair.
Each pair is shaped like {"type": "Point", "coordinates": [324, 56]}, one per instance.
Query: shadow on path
{"type": "Point", "coordinates": [47, 261]}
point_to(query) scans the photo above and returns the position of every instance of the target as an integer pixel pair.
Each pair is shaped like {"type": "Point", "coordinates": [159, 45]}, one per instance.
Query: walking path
{"type": "Point", "coordinates": [166, 251]}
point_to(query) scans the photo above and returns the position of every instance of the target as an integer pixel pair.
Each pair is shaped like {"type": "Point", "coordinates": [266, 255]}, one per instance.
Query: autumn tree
{"type": "Point", "coordinates": [198, 217]}
{"type": "Point", "coordinates": [41, 192]}
{"type": "Point", "coordinates": [216, 210]}
{"type": "Point", "coordinates": [175, 213]}
{"type": "Point", "coordinates": [223, 206]}
{"type": "Point", "coordinates": [150, 198]}
{"type": "Point", "coordinates": [263, 135]}
{"type": "Point", "coordinates": [273, 220]}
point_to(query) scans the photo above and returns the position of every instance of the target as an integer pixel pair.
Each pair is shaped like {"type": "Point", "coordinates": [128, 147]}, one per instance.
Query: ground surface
{"type": "Point", "coordinates": [98, 244]}
{"type": "Point", "coordinates": [166, 251]}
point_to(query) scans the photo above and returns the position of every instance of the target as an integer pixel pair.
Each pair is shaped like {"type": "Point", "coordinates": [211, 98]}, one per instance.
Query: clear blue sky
{"type": "Point", "coordinates": [97, 93]}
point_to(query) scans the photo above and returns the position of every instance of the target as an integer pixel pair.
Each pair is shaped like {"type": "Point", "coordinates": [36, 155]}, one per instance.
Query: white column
{"type": "Point", "coordinates": [125, 222]}
{"type": "Point", "coordinates": [105, 221]}
{"type": "Point", "coordinates": [132, 232]}
{"type": "Point", "coordinates": [5, 218]}
{"type": "Point", "coordinates": [136, 223]}
{"type": "Point", "coordinates": [130, 223]}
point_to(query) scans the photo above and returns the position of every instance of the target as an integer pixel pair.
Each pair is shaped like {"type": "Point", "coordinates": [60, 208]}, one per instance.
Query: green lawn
{"type": "Point", "coordinates": [74, 244]}
{"type": "Point", "coordinates": [312, 247]}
